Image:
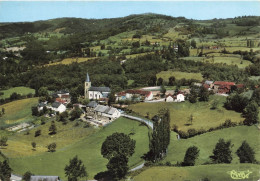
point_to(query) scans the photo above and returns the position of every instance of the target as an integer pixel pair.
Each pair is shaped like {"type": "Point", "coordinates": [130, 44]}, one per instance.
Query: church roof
{"type": "Point", "coordinates": [100, 89]}
{"type": "Point", "coordinates": [87, 78]}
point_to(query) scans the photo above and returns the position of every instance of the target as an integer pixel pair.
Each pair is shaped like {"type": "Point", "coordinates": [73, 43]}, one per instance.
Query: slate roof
{"type": "Point", "coordinates": [87, 78]}
{"type": "Point", "coordinates": [224, 83]}
{"type": "Point", "coordinates": [42, 104]}
{"type": "Point", "coordinates": [105, 109]}
{"type": "Point", "coordinates": [100, 89]}
{"type": "Point", "coordinates": [92, 104]}
{"type": "Point", "coordinates": [44, 178]}
{"type": "Point", "coordinates": [56, 104]}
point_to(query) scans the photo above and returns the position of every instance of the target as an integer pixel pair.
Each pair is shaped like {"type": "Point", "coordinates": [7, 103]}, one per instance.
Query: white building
{"type": "Point", "coordinates": [58, 107]}
{"type": "Point", "coordinates": [169, 98]}
{"type": "Point", "coordinates": [95, 92]}
{"type": "Point", "coordinates": [180, 98]}
{"type": "Point", "coordinates": [107, 111]}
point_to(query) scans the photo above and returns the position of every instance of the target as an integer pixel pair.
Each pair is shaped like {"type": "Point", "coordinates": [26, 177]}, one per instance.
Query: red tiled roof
{"type": "Point", "coordinates": [141, 92]}
{"type": "Point", "coordinates": [60, 100]}
{"type": "Point", "coordinates": [224, 83]}
{"type": "Point", "coordinates": [240, 85]}
{"type": "Point", "coordinates": [65, 96]}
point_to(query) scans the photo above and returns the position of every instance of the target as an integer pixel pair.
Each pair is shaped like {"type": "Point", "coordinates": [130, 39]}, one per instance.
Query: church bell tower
{"type": "Point", "coordinates": [87, 86]}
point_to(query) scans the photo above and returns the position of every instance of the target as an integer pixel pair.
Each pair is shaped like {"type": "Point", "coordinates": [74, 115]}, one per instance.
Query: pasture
{"type": "Point", "coordinates": [165, 75]}
{"type": "Point", "coordinates": [203, 116]}
{"type": "Point", "coordinates": [207, 141]}
{"type": "Point", "coordinates": [212, 172]}
{"type": "Point", "coordinates": [18, 90]}
{"type": "Point", "coordinates": [87, 149]}
{"type": "Point", "coordinates": [18, 111]}
{"type": "Point", "coordinates": [67, 61]}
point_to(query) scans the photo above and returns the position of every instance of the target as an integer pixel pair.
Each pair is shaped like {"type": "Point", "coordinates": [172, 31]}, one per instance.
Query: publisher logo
{"type": "Point", "coordinates": [239, 174]}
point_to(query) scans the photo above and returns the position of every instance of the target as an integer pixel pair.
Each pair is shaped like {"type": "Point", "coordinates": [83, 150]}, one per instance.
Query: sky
{"type": "Point", "coordinates": [19, 11]}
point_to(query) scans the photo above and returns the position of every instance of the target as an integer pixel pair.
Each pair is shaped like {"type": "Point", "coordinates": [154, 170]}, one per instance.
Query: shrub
{"type": "Point", "coordinates": [52, 147]}
{"type": "Point", "coordinates": [37, 133]}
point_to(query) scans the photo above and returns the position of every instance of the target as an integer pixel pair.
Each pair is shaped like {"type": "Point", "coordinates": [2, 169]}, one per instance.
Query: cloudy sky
{"type": "Point", "coordinates": [17, 11]}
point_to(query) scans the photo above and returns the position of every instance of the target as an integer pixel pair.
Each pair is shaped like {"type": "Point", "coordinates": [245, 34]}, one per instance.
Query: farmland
{"type": "Point", "coordinates": [18, 90]}
{"type": "Point", "coordinates": [87, 149]}
{"type": "Point", "coordinates": [18, 111]}
{"type": "Point", "coordinates": [165, 75]}
{"type": "Point", "coordinates": [203, 116]}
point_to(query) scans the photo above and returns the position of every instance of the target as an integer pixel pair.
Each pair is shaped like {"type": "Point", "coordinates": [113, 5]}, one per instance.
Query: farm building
{"type": "Point", "coordinates": [180, 98]}
{"type": "Point", "coordinates": [41, 105]}
{"type": "Point", "coordinates": [222, 87]}
{"type": "Point", "coordinates": [45, 178]}
{"type": "Point", "coordinates": [92, 104]}
{"type": "Point", "coordinates": [95, 92]}
{"type": "Point", "coordinates": [135, 94]}
{"type": "Point", "coordinates": [107, 111]}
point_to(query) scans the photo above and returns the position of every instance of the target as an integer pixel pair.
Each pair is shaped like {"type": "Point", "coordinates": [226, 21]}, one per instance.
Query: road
{"type": "Point", "coordinates": [137, 167]}
{"type": "Point", "coordinates": [147, 122]}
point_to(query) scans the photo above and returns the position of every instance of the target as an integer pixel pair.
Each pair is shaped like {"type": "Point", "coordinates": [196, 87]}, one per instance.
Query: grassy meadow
{"type": "Point", "coordinates": [203, 116]}
{"type": "Point", "coordinates": [67, 61]}
{"type": "Point", "coordinates": [165, 75]}
{"type": "Point", "coordinates": [18, 90]}
{"type": "Point", "coordinates": [18, 111]}
{"type": "Point", "coordinates": [212, 172]}
{"type": "Point", "coordinates": [87, 149]}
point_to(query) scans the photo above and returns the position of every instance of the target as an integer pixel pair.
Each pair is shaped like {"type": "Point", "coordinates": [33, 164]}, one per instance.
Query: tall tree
{"type": "Point", "coordinates": [191, 155]}
{"type": "Point", "coordinates": [222, 152]}
{"type": "Point", "coordinates": [5, 170]}
{"type": "Point", "coordinates": [27, 176]}
{"type": "Point", "coordinates": [245, 153]}
{"type": "Point", "coordinates": [52, 128]}
{"type": "Point", "coordinates": [117, 166]}
{"type": "Point", "coordinates": [203, 94]}
{"type": "Point", "coordinates": [75, 170]}
{"type": "Point", "coordinates": [251, 113]}
{"type": "Point", "coordinates": [160, 138]}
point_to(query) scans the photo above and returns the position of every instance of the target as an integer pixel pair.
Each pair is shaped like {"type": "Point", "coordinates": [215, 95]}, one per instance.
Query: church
{"type": "Point", "coordinates": [95, 92]}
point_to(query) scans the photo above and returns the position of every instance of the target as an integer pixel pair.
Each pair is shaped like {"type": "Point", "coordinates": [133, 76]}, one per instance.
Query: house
{"type": "Point", "coordinates": [95, 92]}
{"type": "Point", "coordinates": [208, 84]}
{"type": "Point", "coordinates": [92, 104]}
{"type": "Point", "coordinates": [58, 107]}
{"type": "Point", "coordinates": [135, 94]}
{"type": "Point", "coordinates": [106, 111]}
{"type": "Point", "coordinates": [222, 87]}
{"type": "Point", "coordinates": [44, 178]}
{"type": "Point", "coordinates": [180, 98]}
{"type": "Point", "coordinates": [41, 105]}
{"type": "Point", "coordinates": [62, 96]}
{"type": "Point", "coordinates": [169, 98]}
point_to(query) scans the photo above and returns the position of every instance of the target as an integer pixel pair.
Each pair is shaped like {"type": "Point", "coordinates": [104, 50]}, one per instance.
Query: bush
{"type": "Point", "coordinates": [37, 133]}
{"type": "Point", "coordinates": [191, 155]}
{"type": "Point", "coordinates": [52, 147]}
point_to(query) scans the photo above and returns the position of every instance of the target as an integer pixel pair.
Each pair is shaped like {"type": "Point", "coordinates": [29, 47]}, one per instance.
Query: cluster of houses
{"type": "Point", "coordinates": [221, 87]}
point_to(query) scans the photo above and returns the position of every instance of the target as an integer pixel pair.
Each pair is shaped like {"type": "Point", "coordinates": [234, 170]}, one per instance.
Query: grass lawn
{"type": "Point", "coordinates": [67, 61]}
{"type": "Point", "coordinates": [206, 143]}
{"type": "Point", "coordinates": [66, 134]}
{"type": "Point", "coordinates": [213, 172]}
{"type": "Point", "coordinates": [203, 116]}
{"type": "Point", "coordinates": [165, 75]}
{"type": "Point", "coordinates": [87, 149]}
{"type": "Point", "coordinates": [18, 90]}
{"type": "Point", "coordinates": [18, 111]}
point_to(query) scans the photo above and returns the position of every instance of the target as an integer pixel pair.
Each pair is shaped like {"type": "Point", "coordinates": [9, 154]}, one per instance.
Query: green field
{"type": "Point", "coordinates": [18, 111]}
{"type": "Point", "coordinates": [18, 90]}
{"type": "Point", "coordinates": [87, 149]}
{"type": "Point", "coordinates": [206, 143]}
{"type": "Point", "coordinates": [213, 172]}
{"type": "Point", "coordinates": [203, 116]}
{"type": "Point", "coordinates": [19, 144]}
{"type": "Point", "coordinates": [165, 75]}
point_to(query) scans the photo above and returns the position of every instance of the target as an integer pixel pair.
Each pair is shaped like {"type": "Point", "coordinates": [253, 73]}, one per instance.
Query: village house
{"type": "Point", "coordinates": [106, 111]}
{"type": "Point", "coordinates": [96, 93]}
{"type": "Point", "coordinates": [222, 87]}
{"type": "Point", "coordinates": [57, 107]}
{"type": "Point", "coordinates": [179, 97]}
{"type": "Point", "coordinates": [41, 105]}
{"type": "Point", "coordinates": [135, 94]}
{"type": "Point", "coordinates": [62, 96]}
{"type": "Point", "coordinates": [169, 98]}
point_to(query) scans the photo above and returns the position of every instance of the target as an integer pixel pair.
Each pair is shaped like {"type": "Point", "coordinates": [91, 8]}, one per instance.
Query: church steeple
{"type": "Point", "coordinates": [87, 86]}
{"type": "Point", "coordinates": [87, 78]}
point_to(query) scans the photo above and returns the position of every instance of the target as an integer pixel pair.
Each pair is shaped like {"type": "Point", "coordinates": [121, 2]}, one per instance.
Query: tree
{"type": "Point", "coordinates": [159, 81]}
{"type": "Point", "coordinates": [245, 153]}
{"type": "Point", "coordinates": [3, 141]}
{"type": "Point", "coordinates": [75, 169]}
{"type": "Point", "coordinates": [37, 133]}
{"type": "Point", "coordinates": [171, 81]}
{"type": "Point", "coordinates": [5, 170]}
{"type": "Point", "coordinates": [27, 176]}
{"type": "Point", "coordinates": [43, 92]}
{"type": "Point", "coordinates": [222, 152]}
{"type": "Point", "coordinates": [203, 94]}
{"type": "Point", "coordinates": [193, 43]}
{"type": "Point", "coordinates": [118, 144]}
{"type": "Point", "coordinates": [33, 145]}
{"type": "Point", "coordinates": [35, 111]}
{"type": "Point", "coordinates": [111, 98]}
{"type": "Point", "coordinates": [191, 155]}
{"type": "Point", "coordinates": [163, 90]}
{"type": "Point", "coordinates": [160, 137]}
{"type": "Point", "coordinates": [52, 147]}
{"type": "Point", "coordinates": [3, 110]}
{"type": "Point", "coordinates": [251, 113]}
{"type": "Point", "coordinates": [190, 119]}
{"type": "Point", "coordinates": [52, 128]}
{"type": "Point", "coordinates": [193, 95]}
{"type": "Point", "coordinates": [117, 166]}
{"type": "Point", "coordinates": [75, 113]}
